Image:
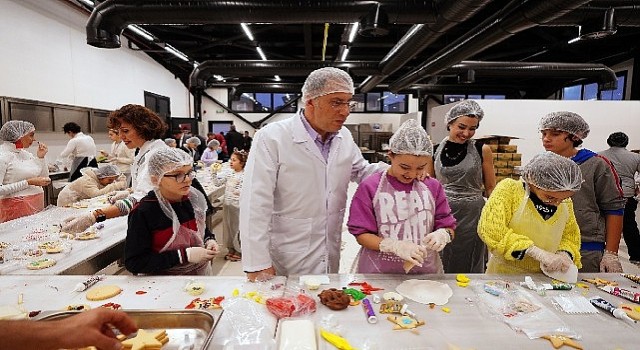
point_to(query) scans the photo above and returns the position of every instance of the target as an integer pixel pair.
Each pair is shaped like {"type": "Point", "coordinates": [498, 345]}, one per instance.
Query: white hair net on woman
{"type": "Point", "coordinates": [552, 172]}
{"type": "Point", "coordinates": [213, 143]}
{"type": "Point", "coordinates": [108, 170]}
{"type": "Point", "coordinates": [324, 81]}
{"type": "Point", "coordinates": [466, 107]}
{"type": "Point", "coordinates": [196, 141]}
{"type": "Point", "coordinates": [565, 121]}
{"type": "Point", "coordinates": [411, 138]}
{"type": "Point", "coordinates": [13, 130]}
{"type": "Point", "coordinates": [165, 160]}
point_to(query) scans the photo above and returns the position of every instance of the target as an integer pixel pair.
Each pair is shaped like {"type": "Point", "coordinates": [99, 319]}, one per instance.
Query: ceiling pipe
{"type": "Point", "coordinates": [420, 36]}
{"type": "Point", "coordinates": [604, 75]}
{"type": "Point", "coordinates": [109, 18]}
{"type": "Point", "coordinates": [491, 32]}
{"type": "Point", "coordinates": [626, 16]}
{"type": "Point", "coordinates": [205, 70]}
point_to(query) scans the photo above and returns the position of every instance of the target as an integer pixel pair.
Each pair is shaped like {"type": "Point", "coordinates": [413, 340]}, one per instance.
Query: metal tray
{"type": "Point", "coordinates": [187, 329]}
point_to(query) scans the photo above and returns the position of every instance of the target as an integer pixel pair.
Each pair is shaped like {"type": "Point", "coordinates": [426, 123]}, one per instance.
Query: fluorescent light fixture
{"type": "Point", "coordinates": [140, 32]}
{"type": "Point", "coordinates": [277, 77]}
{"type": "Point", "coordinates": [87, 2]}
{"type": "Point", "coordinates": [264, 58]}
{"type": "Point", "coordinates": [218, 77]}
{"type": "Point", "coordinates": [576, 39]}
{"type": "Point", "coordinates": [354, 31]}
{"type": "Point", "coordinates": [172, 50]}
{"type": "Point", "coordinates": [344, 54]}
{"type": "Point", "coordinates": [247, 31]}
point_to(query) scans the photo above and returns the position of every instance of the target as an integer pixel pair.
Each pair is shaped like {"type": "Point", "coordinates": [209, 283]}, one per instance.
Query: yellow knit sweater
{"type": "Point", "coordinates": [501, 240]}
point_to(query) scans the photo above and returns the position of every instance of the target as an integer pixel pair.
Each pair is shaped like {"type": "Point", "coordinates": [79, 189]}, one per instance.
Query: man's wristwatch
{"type": "Point", "coordinates": [100, 215]}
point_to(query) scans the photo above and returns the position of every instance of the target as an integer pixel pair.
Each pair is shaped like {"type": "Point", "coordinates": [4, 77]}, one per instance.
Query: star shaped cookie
{"type": "Point", "coordinates": [147, 340]}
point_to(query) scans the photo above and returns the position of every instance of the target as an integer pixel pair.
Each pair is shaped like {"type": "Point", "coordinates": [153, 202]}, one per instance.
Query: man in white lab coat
{"type": "Point", "coordinates": [295, 186]}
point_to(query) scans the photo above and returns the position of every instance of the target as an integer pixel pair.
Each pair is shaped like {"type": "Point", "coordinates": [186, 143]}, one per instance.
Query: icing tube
{"type": "Point", "coordinates": [622, 293]}
{"type": "Point", "coordinates": [605, 305]}
{"type": "Point", "coordinates": [82, 286]}
{"type": "Point", "coordinates": [368, 310]}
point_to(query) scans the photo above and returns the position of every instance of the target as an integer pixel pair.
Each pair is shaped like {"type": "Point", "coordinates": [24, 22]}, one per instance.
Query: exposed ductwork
{"type": "Point", "coordinates": [201, 73]}
{"type": "Point", "coordinates": [420, 36]}
{"type": "Point", "coordinates": [109, 18]}
{"type": "Point", "coordinates": [492, 31]}
{"type": "Point", "coordinates": [626, 16]}
{"type": "Point", "coordinates": [605, 76]}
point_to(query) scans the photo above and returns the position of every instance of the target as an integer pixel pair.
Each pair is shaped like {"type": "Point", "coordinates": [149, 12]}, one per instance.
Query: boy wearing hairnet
{"type": "Point", "coordinates": [397, 218]}
{"type": "Point", "coordinates": [599, 203]}
{"type": "Point", "coordinates": [530, 223]}
{"type": "Point", "coordinates": [93, 182]}
{"type": "Point", "coordinates": [167, 232]}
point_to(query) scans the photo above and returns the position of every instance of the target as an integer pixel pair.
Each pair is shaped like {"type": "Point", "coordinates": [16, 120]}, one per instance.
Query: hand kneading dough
{"type": "Point", "coordinates": [297, 334]}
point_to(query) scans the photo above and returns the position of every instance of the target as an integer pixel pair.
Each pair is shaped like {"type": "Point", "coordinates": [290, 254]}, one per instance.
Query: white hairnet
{"type": "Point", "coordinates": [169, 141]}
{"type": "Point", "coordinates": [411, 138]}
{"type": "Point", "coordinates": [165, 160]}
{"type": "Point", "coordinates": [552, 172]}
{"type": "Point", "coordinates": [565, 121]}
{"type": "Point", "coordinates": [108, 170]}
{"type": "Point", "coordinates": [466, 107]}
{"type": "Point", "coordinates": [324, 81]}
{"type": "Point", "coordinates": [13, 130]}
{"type": "Point", "coordinates": [213, 143]}
{"type": "Point", "coordinates": [196, 141]}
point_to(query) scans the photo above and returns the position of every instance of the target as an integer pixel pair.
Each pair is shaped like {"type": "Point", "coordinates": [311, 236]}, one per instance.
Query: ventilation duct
{"type": "Point", "coordinates": [597, 29]}
{"type": "Point", "coordinates": [109, 18]}
{"type": "Point", "coordinates": [490, 32]}
{"type": "Point", "coordinates": [375, 23]}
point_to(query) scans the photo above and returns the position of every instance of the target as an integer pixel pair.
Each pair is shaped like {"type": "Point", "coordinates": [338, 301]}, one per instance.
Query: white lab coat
{"type": "Point", "coordinates": [293, 201]}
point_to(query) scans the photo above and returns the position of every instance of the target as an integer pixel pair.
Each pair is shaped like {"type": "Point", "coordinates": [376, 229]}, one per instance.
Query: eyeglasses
{"type": "Point", "coordinates": [182, 176]}
{"type": "Point", "coordinates": [336, 104]}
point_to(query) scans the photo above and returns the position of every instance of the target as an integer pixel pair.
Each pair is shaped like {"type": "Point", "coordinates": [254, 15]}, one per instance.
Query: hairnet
{"type": "Point", "coordinates": [326, 81]}
{"type": "Point", "coordinates": [552, 172]}
{"type": "Point", "coordinates": [565, 121]}
{"type": "Point", "coordinates": [165, 160]}
{"type": "Point", "coordinates": [13, 130]}
{"type": "Point", "coordinates": [411, 138]}
{"type": "Point", "coordinates": [466, 107]}
{"type": "Point", "coordinates": [213, 143]}
{"type": "Point", "coordinates": [196, 141]}
{"type": "Point", "coordinates": [618, 139]}
{"type": "Point", "coordinates": [169, 141]}
{"type": "Point", "coordinates": [108, 170]}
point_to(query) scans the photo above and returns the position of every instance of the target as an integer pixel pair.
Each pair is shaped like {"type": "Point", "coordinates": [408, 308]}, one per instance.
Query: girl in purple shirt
{"type": "Point", "coordinates": [401, 222]}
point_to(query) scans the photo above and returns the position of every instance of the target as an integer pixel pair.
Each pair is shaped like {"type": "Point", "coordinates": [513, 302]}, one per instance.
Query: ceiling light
{"type": "Point", "coordinates": [218, 77]}
{"type": "Point", "coordinates": [247, 31]}
{"type": "Point", "coordinates": [354, 31]}
{"type": "Point", "coordinates": [87, 2]}
{"type": "Point", "coordinates": [345, 52]}
{"type": "Point", "coordinates": [140, 32]}
{"type": "Point", "coordinates": [597, 29]}
{"type": "Point", "coordinates": [277, 77]}
{"type": "Point", "coordinates": [176, 53]}
{"type": "Point", "coordinates": [375, 23]}
{"type": "Point", "coordinates": [264, 58]}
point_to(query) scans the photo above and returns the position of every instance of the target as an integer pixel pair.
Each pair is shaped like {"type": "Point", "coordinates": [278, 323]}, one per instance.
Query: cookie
{"type": "Point", "coordinates": [34, 253]}
{"type": "Point", "coordinates": [103, 292]}
{"type": "Point", "coordinates": [51, 247]}
{"type": "Point", "coordinates": [146, 340]}
{"type": "Point", "coordinates": [85, 236]}
{"type": "Point", "coordinates": [334, 299]}
{"type": "Point", "coordinates": [40, 264]}
{"type": "Point", "coordinates": [204, 304]}
{"type": "Point", "coordinates": [78, 307]}
{"type": "Point", "coordinates": [4, 245]}
{"type": "Point", "coordinates": [194, 288]}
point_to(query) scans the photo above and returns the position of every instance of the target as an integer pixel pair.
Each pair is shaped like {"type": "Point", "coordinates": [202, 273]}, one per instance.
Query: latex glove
{"type": "Point", "coordinates": [78, 224]}
{"type": "Point", "coordinates": [212, 245]}
{"type": "Point", "coordinates": [561, 264]}
{"type": "Point", "coordinates": [610, 262]}
{"type": "Point", "coordinates": [551, 261]}
{"type": "Point", "coordinates": [437, 239]}
{"type": "Point", "coordinates": [199, 254]}
{"type": "Point", "coordinates": [405, 250]}
{"type": "Point", "coordinates": [117, 195]}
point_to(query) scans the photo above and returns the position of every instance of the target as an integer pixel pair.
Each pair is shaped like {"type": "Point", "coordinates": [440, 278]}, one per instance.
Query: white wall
{"type": "Point", "coordinates": [520, 118]}
{"type": "Point", "coordinates": [45, 57]}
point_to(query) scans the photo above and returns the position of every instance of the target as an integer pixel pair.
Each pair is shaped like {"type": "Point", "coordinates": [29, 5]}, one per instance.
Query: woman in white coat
{"type": "Point", "coordinates": [93, 182]}
{"type": "Point", "coordinates": [294, 195]}
{"type": "Point", "coordinates": [120, 155]}
{"type": "Point", "coordinates": [22, 175]}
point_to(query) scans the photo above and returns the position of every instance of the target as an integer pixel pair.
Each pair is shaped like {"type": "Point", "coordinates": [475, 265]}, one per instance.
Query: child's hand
{"type": "Point", "coordinates": [213, 246]}
{"type": "Point", "coordinates": [199, 254]}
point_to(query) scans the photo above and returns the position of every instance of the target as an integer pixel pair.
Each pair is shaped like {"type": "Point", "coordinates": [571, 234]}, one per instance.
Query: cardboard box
{"type": "Point", "coordinates": [507, 148]}
{"type": "Point", "coordinates": [514, 163]}
{"type": "Point", "coordinates": [516, 156]}
{"type": "Point", "coordinates": [494, 148]}
{"type": "Point", "coordinates": [496, 139]}
{"type": "Point", "coordinates": [494, 156]}
{"type": "Point", "coordinates": [504, 171]}
{"type": "Point", "coordinates": [504, 156]}
{"type": "Point", "coordinates": [501, 163]}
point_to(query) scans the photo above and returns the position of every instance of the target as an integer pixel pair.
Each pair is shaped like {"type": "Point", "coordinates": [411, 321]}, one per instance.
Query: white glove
{"type": "Point", "coordinates": [78, 224]}
{"type": "Point", "coordinates": [117, 195]}
{"type": "Point", "coordinates": [405, 250]}
{"type": "Point", "coordinates": [199, 254]}
{"type": "Point", "coordinates": [552, 261]}
{"type": "Point", "coordinates": [436, 240]}
{"type": "Point", "coordinates": [212, 245]}
{"type": "Point", "coordinates": [610, 262]}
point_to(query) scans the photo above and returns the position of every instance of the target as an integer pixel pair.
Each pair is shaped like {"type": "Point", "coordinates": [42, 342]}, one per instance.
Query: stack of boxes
{"type": "Point", "coordinates": [506, 159]}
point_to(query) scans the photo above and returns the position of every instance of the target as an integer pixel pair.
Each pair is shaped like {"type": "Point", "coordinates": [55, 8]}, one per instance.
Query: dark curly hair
{"type": "Point", "coordinates": [242, 156]}
{"type": "Point", "coordinates": [145, 122]}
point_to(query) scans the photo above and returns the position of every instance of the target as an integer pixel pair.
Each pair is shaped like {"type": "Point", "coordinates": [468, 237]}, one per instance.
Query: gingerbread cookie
{"type": "Point", "coordinates": [103, 292]}
{"type": "Point", "coordinates": [334, 299]}
{"type": "Point", "coordinates": [147, 340]}
{"type": "Point", "coordinates": [210, 303]}
{"type": "Point", "coordinates": [85, 236]}
{"type": "Point", "coordinates": [112, 306]}
{"type": "Point", "coordinates": [40, 264]}
{"type": "Point", "coordinates": [34, 253]}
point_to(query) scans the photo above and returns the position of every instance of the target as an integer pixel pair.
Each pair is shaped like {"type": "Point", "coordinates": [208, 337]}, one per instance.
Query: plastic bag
{"type": "Point", "coordinates": [293, 303]}
{"type": "Point", "coordinates": [248, 325]}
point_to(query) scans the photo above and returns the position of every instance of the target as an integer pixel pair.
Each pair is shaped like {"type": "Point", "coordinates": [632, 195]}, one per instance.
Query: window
{"type": "Point", "coordinates": [263, 102]}
{"type": "Point", "coordinates": [456, 98]}
{"type": "Point", "coordinates": [157, 103]}
{"type": "Point", "coordinates": [618, 93]}
{"type": "Point", "coordinates": [393, 103]}
{"type": "Point", "coordinates": [592, 91]}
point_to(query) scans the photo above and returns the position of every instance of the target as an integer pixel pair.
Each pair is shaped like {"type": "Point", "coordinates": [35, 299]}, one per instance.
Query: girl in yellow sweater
{"type": "Point", "coordinates": [529, 223]}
